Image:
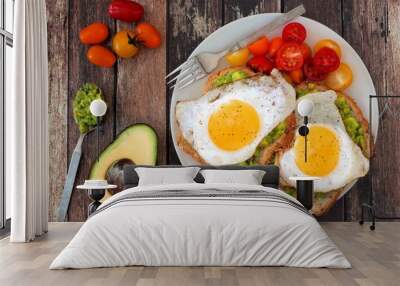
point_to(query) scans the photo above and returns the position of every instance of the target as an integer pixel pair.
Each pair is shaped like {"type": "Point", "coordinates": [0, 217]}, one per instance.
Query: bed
{"type": "Point", "coordinates": [201, 224]}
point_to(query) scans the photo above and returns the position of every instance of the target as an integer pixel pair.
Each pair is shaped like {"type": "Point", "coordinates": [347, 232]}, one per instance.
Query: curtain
{"type": "Point", "coordinates": [27, 147]}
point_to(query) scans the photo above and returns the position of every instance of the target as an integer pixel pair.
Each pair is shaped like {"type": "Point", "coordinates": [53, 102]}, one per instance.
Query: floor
{"type": "Point", "coordinates": [375, 257]}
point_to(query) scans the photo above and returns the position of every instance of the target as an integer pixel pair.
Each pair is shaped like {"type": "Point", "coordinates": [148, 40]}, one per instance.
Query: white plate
{"type": "Point", "coordinates": [231, 33]}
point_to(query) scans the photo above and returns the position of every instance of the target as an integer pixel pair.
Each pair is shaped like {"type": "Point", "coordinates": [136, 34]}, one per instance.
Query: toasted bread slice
{"type": "Point", "coordinates": [182, 142]}
{"type": "Point", "coordinates": [213, 76]}
{"type": "Point", "coordinates": [266, 155]}
{"type": "Point", "coordinates": [281, 144]}
{"type": "Point", "coordinates": [322, 202]}
{"type": "Point", "coordinates": [188, 148]}
{"type": "Point", "coordinates": [367, 149]}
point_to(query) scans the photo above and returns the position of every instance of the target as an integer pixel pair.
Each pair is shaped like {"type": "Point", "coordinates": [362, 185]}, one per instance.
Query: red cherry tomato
{"type": "Point", "coordinates": [101, 56]}
{"type": "Point", "coordinates": [275, 45]}
{"type": "Point", "coordinates": [294, 32]}
{"type": "Point", "coordinates": [148, 35]}
{"type": "Point", "coordinates": [289, 57]}
{"type": "Point", "coordinates": [94, 34]}
{"type": "Point", "coordinates": [297, 76]}
{"type": "Point", "coordinates": [259, 47]}
{"type": "Point", "coordinates": [312, 73]}
{"type": "Point", "coordinates": [305, 50]}
{"type": "Point", "coordinates": [326, 60]}
{"type": "Point", "coordinates": [261, 64]}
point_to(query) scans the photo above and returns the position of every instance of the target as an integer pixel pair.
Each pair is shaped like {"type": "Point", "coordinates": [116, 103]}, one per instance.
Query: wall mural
{"type": "Point", "coordinates": [242, 113]}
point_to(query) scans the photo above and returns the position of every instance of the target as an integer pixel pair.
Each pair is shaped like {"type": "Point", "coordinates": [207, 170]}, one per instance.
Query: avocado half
{"type": "Point", "coordinates": [137, 144]}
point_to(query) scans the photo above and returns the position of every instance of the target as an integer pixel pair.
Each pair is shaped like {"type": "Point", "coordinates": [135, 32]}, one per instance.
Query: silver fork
{"type": "Point", "coordinates": [199, 66]}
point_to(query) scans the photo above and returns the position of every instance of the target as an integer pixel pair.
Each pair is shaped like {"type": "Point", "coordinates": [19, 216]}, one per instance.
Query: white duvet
{"type": "Point", "coordinates": [200, 231]}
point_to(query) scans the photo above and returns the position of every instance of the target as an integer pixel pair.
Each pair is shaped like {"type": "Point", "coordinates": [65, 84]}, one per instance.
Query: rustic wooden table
{"type": "Point", "coordinates": [135, 89]}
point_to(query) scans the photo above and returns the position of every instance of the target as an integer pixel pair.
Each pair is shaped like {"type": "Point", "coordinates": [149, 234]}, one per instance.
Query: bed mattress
{"type": "Point", "coordinates": [201, 225]}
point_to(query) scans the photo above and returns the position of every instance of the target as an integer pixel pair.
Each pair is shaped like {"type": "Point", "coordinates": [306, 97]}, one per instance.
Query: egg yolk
{"type": "Point", "coordinates": [322, 151]}
{"type": "Point", "coordinates": [234, 125]}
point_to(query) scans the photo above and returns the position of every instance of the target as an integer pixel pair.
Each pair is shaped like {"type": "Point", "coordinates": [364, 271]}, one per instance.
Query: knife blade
{"type": "Point", "coordinates": [70, 180]}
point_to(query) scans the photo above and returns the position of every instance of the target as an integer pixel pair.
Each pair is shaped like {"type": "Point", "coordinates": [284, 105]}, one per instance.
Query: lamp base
{"type": "Point", "coordinates": [96, 196]}
{"type": "Point", "coordinates": [305, 189]}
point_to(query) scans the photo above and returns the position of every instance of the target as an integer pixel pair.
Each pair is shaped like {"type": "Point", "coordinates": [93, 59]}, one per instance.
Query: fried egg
{"type": "Point", "coordinates": [331, 153]}
{"type": "Point", "coordinates": [226, 124]}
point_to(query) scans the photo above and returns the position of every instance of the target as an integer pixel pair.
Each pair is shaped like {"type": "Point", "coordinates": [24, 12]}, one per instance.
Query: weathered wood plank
{"type": "Point", "coordinates": [235, 9]}
{"type": "Point", "coordinates": [364, 28]}
{"type": "Point", "coordinates": [57, 28]}
{"type": "Point", "coordinates": [386, 179]}
{"type": "Point", "coordinates": [328, 13]}
{"type": "Point", "coordinates": [188, 24]}
{"type": "Point", "coordinates": [141, 92]}
{"type": "Point", "coordinates": [82, 13]}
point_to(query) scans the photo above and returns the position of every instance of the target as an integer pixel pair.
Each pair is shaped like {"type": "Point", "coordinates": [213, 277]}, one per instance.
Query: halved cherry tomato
{"type": "Point", "coordinates": [124, 44]}
{"type": "Point", "coordinates": [237, 58]}
{"type": "Point", "coordinates": [274, 46]}
{"type": "Point", "coordinates": [259, 47]}
{"type": "Point", "coordinates": [261, 64]}
{"type": "Point", "coordinates": [305, 50]}
{"type": "Point", "coordinates": [93, 34]}
{"type": "Point", "coordinates": [326, 60]}
{"type": "Point", "coordinates": [101, 56]}
{"type": "Point", "coordinates": [294, 32]}
{"type": "Point", "coordinates": [289, 57]}
{"type": "Point", "coordinates": [312, 73]}
{"type": "Point", "coordinates": [327, 43]}
{"type": "Point", "coordinates": [148, 35]}
{"type": "Point", "coordinates": [297, 76]}
{"type": "Point", "coordinates": [341, 78]}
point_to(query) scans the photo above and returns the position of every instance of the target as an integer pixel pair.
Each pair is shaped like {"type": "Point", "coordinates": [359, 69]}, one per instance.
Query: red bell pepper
{"type": "Point", "coordinates": [125, 10]}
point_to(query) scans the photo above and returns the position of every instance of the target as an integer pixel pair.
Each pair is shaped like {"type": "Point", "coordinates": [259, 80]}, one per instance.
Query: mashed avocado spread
{"type": "Point", "coordinates": [229, 78]}
{"type": "Point", "coordinates": [301, 91]}
{"type": "Point", "coordinates": [274, 135]}
{"type": "Point", "coordinates": [353, 127]}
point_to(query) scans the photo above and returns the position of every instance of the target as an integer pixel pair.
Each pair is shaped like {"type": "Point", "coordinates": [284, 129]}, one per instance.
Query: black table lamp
{"type": "Point", "coordinates": [305, 185]}
{"type": "Point", "coordinates": [96, 188]}
{"type": "Point", "coordinates": [98, 108]}
{"type": "Point", "coordinates": [305, 107]}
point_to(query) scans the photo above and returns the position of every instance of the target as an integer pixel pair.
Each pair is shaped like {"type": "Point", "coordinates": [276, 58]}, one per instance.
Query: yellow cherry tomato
{"type": "Point", "coordinates": [237, 58]}
{"type": "Point", "coordinates": [327, 43]}
{"type": "Point", "coordinates": [124, 44]}
{"type": "Point", "coordinates": [340, 79]}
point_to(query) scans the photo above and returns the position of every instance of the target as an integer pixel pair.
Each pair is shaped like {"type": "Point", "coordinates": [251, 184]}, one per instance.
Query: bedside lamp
{"type": "Point", "coordinates": [98, 108]}
{"type": "Point", "coordinates": [305, 185]}
{"type": "Point", "coordinates": [305, 108]}
{"type": "Point", "coordinates": [96, 188]}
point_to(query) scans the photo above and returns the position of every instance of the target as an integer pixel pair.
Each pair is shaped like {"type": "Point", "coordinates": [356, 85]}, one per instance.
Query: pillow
{"type": "Point", "coordinates": [166, 176]}
{"type": "Point", "coordinates": [248, 177]}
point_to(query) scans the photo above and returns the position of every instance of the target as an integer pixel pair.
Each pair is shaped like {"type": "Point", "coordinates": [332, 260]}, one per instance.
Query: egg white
{"type": "Point", "coordinates": [271, 96]}
{"type": "Point", "coordinates": [351, 165]}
